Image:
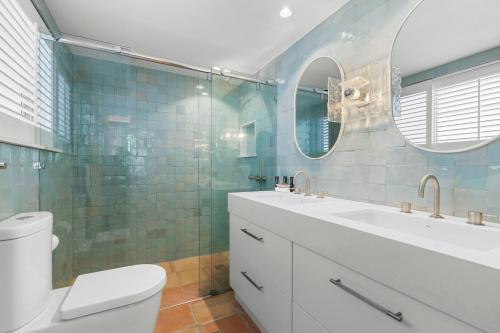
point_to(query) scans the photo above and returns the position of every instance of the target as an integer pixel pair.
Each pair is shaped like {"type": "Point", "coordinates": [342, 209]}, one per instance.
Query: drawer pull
{"type": "Point", "coordinates": [396, 316]}
{"type": "Point", "coordinates": [260, 239]}
{"type": "Point", "coordinates": [260, 288]}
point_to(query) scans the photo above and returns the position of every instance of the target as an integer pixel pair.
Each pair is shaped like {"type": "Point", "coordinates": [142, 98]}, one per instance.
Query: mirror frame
{"type": "Point", "coordinates": [451, 151]}
{"type": "Point", "coordinates": [341, 132]}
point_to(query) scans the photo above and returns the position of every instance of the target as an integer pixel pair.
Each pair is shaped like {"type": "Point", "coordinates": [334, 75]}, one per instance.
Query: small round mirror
{"type": "Point", "coordinates": [446, 75]}
{"type": "Point", "coordinates": [315, 135]}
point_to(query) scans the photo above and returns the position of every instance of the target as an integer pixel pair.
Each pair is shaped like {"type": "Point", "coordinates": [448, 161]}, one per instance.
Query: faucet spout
{"type": "Point", "coordinates": [437, 193]}
{"type": "Point", "coordinates": [308, 181]}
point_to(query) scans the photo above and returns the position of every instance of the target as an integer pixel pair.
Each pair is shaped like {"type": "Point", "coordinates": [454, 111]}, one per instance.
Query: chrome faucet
{"type": "Point", "coordinates": [437, 193]}
{"type": "Point", "coordinates": [308, 182]}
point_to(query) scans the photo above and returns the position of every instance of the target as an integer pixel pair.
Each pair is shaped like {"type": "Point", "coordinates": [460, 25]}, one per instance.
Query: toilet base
{"type": "Point", "coordinates": [139, 317]}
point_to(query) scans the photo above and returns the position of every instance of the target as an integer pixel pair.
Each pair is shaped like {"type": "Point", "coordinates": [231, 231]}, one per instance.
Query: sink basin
{"type": "Point", "coordinates": [472, 237]}
{"type": "Point", "coordinates": [288, 199]}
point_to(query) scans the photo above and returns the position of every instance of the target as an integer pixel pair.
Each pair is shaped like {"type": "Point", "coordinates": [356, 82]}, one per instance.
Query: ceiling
{"type": "Point", "coordinates": [440, 31]}
{"type": "Point", "coordinates": [240, 35]}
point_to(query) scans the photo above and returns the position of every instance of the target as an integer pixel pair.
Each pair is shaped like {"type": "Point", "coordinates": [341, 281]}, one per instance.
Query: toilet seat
{"type": "Point", "coordinates": [106, 290]}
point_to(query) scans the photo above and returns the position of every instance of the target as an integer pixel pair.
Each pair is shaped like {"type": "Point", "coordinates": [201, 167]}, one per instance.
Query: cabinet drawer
{"type": "Point", "coordinates": [357, 304]}
{"type": "Point", "coordinates": [270, 306]}
{"type": "Point", "coordinates": [267, 254]}
{"type": "Point", "coordinates": [304, 323]}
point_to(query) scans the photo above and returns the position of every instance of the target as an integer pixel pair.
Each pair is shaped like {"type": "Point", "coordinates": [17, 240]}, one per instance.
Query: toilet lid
{"type": "Point", "coordinates": [105, 290]}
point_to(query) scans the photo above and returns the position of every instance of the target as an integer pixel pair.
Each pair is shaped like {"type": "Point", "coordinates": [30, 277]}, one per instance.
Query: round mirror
{"type": "Point", "coordinates": [315, 135]}
{"type": "Point", "coordinates": [446, 75]}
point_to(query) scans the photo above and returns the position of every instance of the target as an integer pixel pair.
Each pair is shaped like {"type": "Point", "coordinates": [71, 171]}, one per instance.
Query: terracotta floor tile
{"type": "Point", "coordinates": [174, 319]}
{"type": "Point", "coordinates": [186, 264]}
{"type": "Point", "coordinates": [232, 324]}
{"type": "Point", "coordinates": [214, 308]}
{"type": "Point", "coordinates": [192, 276]}
{"type": "Point", "coordinates": [167, 266]}
{"type": "Point", "coordinates": [173, 280]}
{"type": "Point", "coordinates": [174, 296]}
{"type": "Point", "coordinates": [250, 323]}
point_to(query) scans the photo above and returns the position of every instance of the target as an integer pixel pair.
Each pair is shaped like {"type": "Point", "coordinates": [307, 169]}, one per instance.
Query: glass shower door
{"type": "Point", "coordinates": [243, 158]}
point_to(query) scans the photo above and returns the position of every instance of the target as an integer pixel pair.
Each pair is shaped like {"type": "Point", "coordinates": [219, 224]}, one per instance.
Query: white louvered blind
{"type": "Point", "coordinates": [467, 111]}
{"type": "Point", "coordinates": [18, 41]}
{"type": "Point", "coordinates": [489, 106]}
{"type": "Point", "coordinates": [45, 84]}
{"type": "Point", "coordinates": [412, 123]}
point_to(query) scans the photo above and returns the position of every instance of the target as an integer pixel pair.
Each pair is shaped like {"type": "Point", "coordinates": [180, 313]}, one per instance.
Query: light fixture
{"type": "Point", "coordinates": [204, 93]}
{"type": "Point", "coordinates": [200, 87]}
{"type": "Point", "coordinates": [286, 12]}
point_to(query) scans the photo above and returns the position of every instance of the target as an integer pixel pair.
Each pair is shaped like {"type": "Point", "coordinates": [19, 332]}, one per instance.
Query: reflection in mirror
{"type": "Point", "coordinates": [448, 58]}
{"type": "Point", "coordinates": [314, 134]}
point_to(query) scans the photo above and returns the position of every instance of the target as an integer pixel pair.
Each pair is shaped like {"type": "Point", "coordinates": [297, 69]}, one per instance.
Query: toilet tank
{"type": "Point", "coordinates": [25, 268]}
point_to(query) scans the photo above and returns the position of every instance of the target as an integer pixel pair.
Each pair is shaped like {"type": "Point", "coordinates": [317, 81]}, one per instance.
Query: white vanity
{"type": "Point", "coordinates": [306, 265]}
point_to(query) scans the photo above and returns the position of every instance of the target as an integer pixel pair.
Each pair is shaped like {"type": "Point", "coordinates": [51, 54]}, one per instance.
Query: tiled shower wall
{"type": "Point", "coordinates": [373, 162]}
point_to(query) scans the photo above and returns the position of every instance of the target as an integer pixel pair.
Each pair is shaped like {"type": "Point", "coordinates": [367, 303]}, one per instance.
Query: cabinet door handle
{"type": "Point", "coordinates": [257, 238]}
{"type": "Point", "coordinates": [260, 288]}
{"type": "Point", "coordinates": [394, 315]}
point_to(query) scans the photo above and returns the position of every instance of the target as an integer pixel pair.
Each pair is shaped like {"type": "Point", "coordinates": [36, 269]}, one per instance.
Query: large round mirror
{"type": "Point", "coordinates": [315, 135]}
{"type": "Point", "coordinates": [446, 75]}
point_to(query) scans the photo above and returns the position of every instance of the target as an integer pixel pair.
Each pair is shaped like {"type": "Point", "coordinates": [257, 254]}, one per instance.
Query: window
{"type": "Point", "coordinates": [452, 110]}
{"type": "Point", "coordinates": [413, 120]}
{"type": "Point", "coordinates": [17, 63]}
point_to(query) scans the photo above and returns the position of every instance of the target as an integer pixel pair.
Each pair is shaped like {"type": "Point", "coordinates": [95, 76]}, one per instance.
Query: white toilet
{"type": "Point", "coordinates": [122, 300]}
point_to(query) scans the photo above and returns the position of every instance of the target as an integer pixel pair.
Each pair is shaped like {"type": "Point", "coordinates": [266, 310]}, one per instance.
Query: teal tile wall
{"type": "Point", "coordinates": [373, 162]}
{"type": "Point", "coordinates": [136, 191]}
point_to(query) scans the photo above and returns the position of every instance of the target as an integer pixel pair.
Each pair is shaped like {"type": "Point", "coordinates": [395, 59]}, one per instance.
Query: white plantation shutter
{"type": "Point", "coordinates": [413, 120]}
{"type": "Point", "coordinates": [467, 111]}
{"type": "Point", "coordinates": [18, 42]}
{"type": "Point", "coordinates": [489, 106]}
{"type": "Point", "coordinates": [45, 84]}
{"type": "Point", "coordinates": [456, 113]}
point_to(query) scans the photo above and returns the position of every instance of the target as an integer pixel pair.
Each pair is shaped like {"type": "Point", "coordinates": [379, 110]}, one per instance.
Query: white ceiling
{"type": "Point", "coordinates": [242, 35]}
{"type": "Point", "coordinates": [440, 31]}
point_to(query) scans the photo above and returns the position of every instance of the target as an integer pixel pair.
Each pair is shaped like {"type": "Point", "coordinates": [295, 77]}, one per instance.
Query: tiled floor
{"type": "Point", "coordinates": [221, 314]}
{"type": "Point", "coordinates": [184, 311]}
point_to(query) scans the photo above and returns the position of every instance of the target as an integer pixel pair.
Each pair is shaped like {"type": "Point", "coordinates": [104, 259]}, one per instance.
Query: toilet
{"type": "Point", "coordinates": [121, 300]}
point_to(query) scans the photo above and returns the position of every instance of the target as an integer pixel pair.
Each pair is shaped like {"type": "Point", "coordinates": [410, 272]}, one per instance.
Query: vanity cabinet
{"type": "Point", "coordinates": [261, 274]}
{"type": "Point", "coordinates": [327, 297]}
{"type": "Point", "coordinates": [345, 301]}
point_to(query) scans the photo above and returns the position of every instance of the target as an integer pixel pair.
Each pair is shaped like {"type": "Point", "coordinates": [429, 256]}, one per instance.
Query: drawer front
{"type": "Point", "coordinates": [270, 306]}
{"type": "Point", "coordinates": [266, 253]}
{"type": "Point", "coordinates": [347, 302]}
{"type": "Point", "coordinates": [304, 323]}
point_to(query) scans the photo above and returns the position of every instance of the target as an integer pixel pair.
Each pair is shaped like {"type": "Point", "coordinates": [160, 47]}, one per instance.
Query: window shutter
{"type": "Point", "coordinates": [413, 120]}
{"type": "Point", "coordinates": [456, 112]}
{"type": "Point", "coordinates": [489, 104]}
{"type": "Point", "coordinates": [18, 43]}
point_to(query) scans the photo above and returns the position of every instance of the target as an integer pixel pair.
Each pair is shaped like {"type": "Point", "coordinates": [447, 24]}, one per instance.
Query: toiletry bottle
{"type": "Point", "coordinates": [285, 180]}
{"type": "Point", "coordinates": [292, 186]}
{"type": "Point", "coordinates": [276, 181]}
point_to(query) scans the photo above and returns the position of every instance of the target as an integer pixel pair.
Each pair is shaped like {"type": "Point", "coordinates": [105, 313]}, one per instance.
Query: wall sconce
{"type": "Point", "coordinates": [356, 91]}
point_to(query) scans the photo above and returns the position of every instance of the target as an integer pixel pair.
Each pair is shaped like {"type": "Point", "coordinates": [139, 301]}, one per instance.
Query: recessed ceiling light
{"type": "Point", "coordinates": [286, 12]}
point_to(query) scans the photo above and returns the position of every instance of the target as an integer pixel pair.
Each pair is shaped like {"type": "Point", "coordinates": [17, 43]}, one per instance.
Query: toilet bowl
{"type": "Point", "coordinates": [121, 300]}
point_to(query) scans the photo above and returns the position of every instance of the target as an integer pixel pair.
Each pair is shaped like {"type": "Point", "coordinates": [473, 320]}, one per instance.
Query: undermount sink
{"type": "Point", "coordinates": [288, 198]}
{"type": "Point", "coordinates": [471, 237]}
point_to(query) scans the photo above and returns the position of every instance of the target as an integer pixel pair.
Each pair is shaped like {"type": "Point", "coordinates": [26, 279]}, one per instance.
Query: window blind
{"type": "Point", "coordinates": [18, 43]}
{"type": "Point", "coordinates": [489, 106]}
{"type": "Point", "coordinates": [413, 120]}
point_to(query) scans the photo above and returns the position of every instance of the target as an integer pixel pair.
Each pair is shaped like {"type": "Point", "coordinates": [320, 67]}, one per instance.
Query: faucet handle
{"type": "Point", "coordinates": [321, 195]}
{"type": "Point", "coordinates": [475, 217]}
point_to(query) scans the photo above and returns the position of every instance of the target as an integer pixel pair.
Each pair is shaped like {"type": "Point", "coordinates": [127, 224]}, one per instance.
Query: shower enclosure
{"type": "Point", "coordinates": [148, 157]}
